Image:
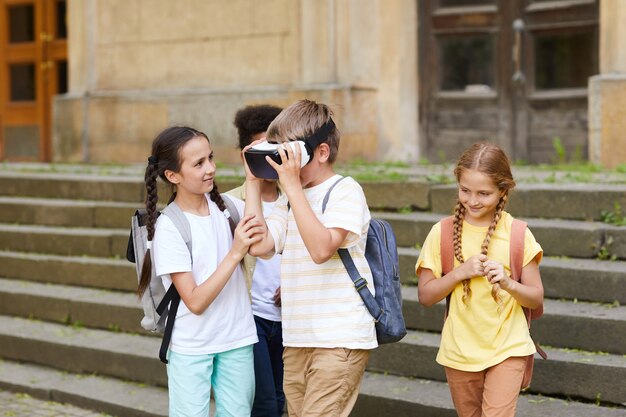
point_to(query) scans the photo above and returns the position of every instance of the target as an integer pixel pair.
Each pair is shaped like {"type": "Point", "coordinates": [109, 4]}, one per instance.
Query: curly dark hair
{"type": "Point", "coordinates": [254, 119]}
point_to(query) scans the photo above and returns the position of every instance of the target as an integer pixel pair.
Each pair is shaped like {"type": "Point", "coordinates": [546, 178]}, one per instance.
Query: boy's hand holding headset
{"type": "Point", "coordinates": [289, 168]}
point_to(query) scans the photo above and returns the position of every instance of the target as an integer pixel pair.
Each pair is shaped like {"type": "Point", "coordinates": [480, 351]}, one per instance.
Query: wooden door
{"type": "Point", "coordinates": [559, 53]}
{"type": "Point", "coordinates": [512, 72]}
{"type": "Point", "coordinates": [33, 68]}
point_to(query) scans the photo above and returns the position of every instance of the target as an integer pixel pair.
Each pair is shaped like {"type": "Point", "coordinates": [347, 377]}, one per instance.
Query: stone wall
{"type": "Point", "coordinates": [137, 66]}
{"type": "Point", "coordinates": [607, 91]}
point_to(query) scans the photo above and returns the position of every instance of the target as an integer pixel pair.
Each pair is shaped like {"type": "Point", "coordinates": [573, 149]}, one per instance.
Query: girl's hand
{"type": "Point", "coordinates": [473, 267]}
{"type": "Point", "coordinates": [277, 299]}
{"type": "Point", "coordinates": [289, 168]}
{"type": "Point", "coordinates": [495, 274]}
{"type": "Point", "coordinates": [248, 232]}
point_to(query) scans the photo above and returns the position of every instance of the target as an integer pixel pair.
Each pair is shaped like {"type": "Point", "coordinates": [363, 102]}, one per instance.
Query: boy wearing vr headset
{"type": "Point", "coordinates": [327, 330]}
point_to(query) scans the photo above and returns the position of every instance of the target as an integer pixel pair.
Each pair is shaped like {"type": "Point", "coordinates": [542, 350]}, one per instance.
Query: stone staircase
{"type": "Point", "coordinates": [69, 321]}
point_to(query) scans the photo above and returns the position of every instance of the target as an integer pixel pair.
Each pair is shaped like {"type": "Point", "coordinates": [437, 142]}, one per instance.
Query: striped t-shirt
{"type": "Point", "coordinates": [320, 306]}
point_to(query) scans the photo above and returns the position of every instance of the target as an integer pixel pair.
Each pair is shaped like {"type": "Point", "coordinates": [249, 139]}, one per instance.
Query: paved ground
{"type": "Point", "coordinates": [23, 405]}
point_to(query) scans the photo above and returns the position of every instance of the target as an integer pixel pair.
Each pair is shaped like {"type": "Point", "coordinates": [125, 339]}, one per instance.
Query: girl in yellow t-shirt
{"type": "Point", "coordinates": [485, 339]}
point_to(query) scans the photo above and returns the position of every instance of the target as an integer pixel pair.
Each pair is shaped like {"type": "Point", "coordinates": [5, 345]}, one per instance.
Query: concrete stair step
{"type": "Point", "coordinates": [586, 326]}
{"type": "Point", "coordinates": [77, 349]}
{"type": "Point", "coordinates": [107, 243]}
{"type": "Point", "coordinates": [582, 279]}
{"type": "Point", "coordinates": [578, 325]}
{"type": "Point", "coordinates": [389, 395]}
{"type": "Point", "coordinates": [71, 213]}
{"type": "Point", "coordinates": [381, 395]}
{"type": "Point", "coordinates": [414, 356]}
{"type": "Point", "coordinates": [134, 357]}
{"type": "Point", "coordinates": [112, 396]}
{"type": "Point", "coordinates": [557, 237]}
{"type": "Point", "coordinates": [413, 193]}
{"type": "Point", "coordinates": [93, 308]}
{"type": "Point", "coordinates": [575, 201]}
{"type": "Point", "coordinates": [72, 186]}
{"type": "Point", "coordinates": [579, 201]}
{"type": "Point", "coordinates": [83, 271]}
{"type": "Point", "coordinates": [562, 277]}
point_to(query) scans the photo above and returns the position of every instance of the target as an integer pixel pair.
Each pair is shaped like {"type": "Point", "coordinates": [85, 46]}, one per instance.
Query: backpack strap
{"type": "Point", "coordinates": [327, 196]}
{"type": "Point", "coordinates": [360, 283]}
{"type": "Point", "coordinates": [446, 247]}
{"type": "Point", "coordinates": [172, 298]}
{"type": "Point", "coordinates": [180, 221]}
{"type": "Point", "coordinates": [516, 256]}
{"type": "Point", "coordinates": [516, 253]}
{"type": "Point", "coordinates": [516, 248]}
{"type": "Point", "coordinates": [233, 218]}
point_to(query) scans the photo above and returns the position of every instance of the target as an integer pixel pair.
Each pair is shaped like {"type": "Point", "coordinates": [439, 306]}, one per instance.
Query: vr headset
{"type": "Point", "coordinates": [260, 168]}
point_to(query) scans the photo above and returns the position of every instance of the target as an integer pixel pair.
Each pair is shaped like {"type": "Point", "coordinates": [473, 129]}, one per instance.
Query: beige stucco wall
{"type": "Point", "coordinates": [137, 66]}
{"type": "Point", "coordinates": [607, 91]}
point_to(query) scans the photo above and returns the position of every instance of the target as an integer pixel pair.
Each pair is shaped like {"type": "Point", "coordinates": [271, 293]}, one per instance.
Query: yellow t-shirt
{"type": "Point", "coordinates": [476, 336]}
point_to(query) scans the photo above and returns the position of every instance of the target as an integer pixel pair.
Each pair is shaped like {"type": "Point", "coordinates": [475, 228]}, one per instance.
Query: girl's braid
{"type": "Point", "coordinates": [217, 198]}
{"type": "Point", "coordinates": [495, 289]}
{"type": "Point", "coordinates": [151, 199]}
{"type": "Point", "coordinates": [151, 208]}
{"type": "Point", "coordinates": [459, 215]}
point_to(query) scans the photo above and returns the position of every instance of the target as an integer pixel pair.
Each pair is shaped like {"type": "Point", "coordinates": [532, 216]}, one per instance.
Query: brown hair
{"type": "Point", "coordinates": [490, 160]}
{"type": "Point", "coordinates": [165, 156]}
{"type": "Point", "coordinates": [302, 119]}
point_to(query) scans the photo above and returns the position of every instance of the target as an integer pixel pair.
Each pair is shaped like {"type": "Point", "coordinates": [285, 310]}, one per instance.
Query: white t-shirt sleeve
{"type": "Point", "coordinates": [170, 252]}
{"type": "Point", "coordinates": [347, 209]}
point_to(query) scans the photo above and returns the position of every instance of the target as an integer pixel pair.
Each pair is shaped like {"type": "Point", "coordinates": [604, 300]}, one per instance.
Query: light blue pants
{"type": "Point", "coordinates": [230, 373]}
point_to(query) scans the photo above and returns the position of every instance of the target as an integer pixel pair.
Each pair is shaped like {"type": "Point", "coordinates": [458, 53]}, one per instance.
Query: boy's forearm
{"type": "Point", "coordinates": [316, 237]}
{"type": "Point", "coordinates": [254, 206]}
{"type": "Point", "coordinates": [253, 199]}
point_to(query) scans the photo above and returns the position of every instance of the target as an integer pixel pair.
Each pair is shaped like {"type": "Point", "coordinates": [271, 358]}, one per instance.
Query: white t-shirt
{"type": "Point", "coordinates": [227, 323]}
{"type": "Point", "coordinates": [320, 306]}
{"type": "Point", "coordinates": [265, 281]}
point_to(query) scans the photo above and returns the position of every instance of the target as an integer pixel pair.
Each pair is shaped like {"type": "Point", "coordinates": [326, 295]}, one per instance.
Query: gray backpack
{"type": "Point", "coordinates": [381, 254]}
{"type": "Point", "coordinates": [157, 302]}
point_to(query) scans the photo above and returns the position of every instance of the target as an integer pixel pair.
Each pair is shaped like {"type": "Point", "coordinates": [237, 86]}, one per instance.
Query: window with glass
{"type": "Point", "coordinates": [21, 21]}
{"type": "Point", "coordinates": [22, 82]}
{"type": "Point", "coordinates": [467, 63]}
{"type": "Point", "coordinates": [564, 60]}
{"type": "Point", "coordinates": [61, 19]}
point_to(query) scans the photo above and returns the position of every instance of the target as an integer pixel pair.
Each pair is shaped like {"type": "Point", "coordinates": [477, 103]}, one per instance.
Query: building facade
{"type": "Point", "coordinates": [408, 79]}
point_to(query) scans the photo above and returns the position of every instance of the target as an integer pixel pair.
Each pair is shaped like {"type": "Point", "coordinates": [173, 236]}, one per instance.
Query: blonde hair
{"type": "Point", "coordinates": [490, 160]}
{"type": "Point", "coordinates": [302, 119]}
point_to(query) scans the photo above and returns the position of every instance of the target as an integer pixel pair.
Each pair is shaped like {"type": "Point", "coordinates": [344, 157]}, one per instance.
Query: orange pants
{"type": "Point", "coordinates": [321, 382]}
{"type": "Point", "coordinates": [492, 392]}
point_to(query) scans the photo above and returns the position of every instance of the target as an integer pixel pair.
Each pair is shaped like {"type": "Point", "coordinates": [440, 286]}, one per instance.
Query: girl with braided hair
{"type": "Point", "coordinates": [485, 341]}
{"type": "Point", "coordinates": [213, 333]}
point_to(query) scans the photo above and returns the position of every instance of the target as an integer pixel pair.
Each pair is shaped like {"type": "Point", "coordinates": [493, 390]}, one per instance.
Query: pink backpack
{"type": "Point", "coordinates": [516, 250]}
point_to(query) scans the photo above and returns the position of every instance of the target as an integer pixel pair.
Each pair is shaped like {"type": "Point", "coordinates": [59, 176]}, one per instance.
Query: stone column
{"type": "Point", "coordinates": [607, 90]}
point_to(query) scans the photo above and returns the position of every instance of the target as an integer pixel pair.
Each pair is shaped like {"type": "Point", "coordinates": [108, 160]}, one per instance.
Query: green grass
{"type": "Point", "coordinates": [615, 217]}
